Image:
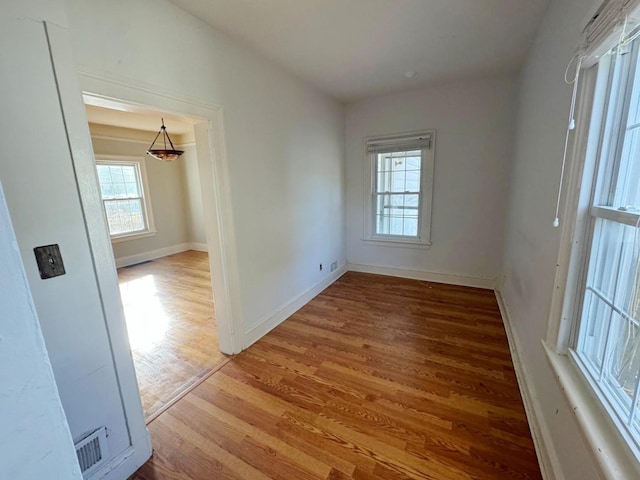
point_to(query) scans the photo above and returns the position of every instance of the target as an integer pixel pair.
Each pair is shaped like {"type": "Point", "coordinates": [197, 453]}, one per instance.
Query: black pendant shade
{"type": "Point", "coordinates": [164, 154]}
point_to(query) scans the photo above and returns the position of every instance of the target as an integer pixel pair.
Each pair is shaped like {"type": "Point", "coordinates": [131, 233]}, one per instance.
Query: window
{"type": "Point", "coordinates": [607, 343]}
{"type": "Point", "coordinates": [124, 198]}
{"type": "Point", "coordinates": [400, 172]}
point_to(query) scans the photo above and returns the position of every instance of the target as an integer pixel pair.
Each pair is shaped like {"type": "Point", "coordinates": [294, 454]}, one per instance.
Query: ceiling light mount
{"type": "Point", "coordinates": [164, 154]}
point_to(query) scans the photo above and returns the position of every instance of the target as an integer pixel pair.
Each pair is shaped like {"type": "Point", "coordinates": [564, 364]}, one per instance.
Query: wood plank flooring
{"type": "Point", "coordinates": [168, 305]}
{"type": "Point", "coordinates": [376, 378]}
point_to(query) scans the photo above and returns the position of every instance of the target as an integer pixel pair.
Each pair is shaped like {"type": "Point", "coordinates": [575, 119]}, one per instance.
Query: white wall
{"type": "Point", "coordinates": [474, 127]}
{"type": "Point", "coordinates": [284, 139]}
{"type": "Point", "coordinates": [35, 440]}
{"type": "Point", "coordinates": [42, 195]}
{"type": "Point", "coordinates": [193, 196]}
{"type": "Point", "coordinates": [170, 185]}
{"type": "Point", "coordinates": [531, 243]}
{"type": "Point", "coordinates": [285, 143]}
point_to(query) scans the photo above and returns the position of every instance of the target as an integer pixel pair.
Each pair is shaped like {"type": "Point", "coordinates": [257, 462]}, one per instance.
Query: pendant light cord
{"type": "Point", "coordinates": [165, 137]}
{"type": "Point", "coordinates": [154, 140]}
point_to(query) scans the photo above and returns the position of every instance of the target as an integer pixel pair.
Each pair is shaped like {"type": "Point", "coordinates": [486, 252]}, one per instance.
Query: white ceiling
{"type": "Point", "coordinates": [357, 48]}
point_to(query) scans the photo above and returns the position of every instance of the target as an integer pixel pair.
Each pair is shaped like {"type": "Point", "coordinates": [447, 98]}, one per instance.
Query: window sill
{"type": "Point", "coordinates": [133, 236]}
{"type": "Point", "coordinates": [396, 242]}
{"type": "Point", "coordinates": [612, 455]}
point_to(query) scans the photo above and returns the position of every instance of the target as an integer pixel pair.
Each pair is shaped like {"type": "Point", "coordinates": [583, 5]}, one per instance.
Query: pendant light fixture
{"type": "Point", "coordinates": [164, 154]}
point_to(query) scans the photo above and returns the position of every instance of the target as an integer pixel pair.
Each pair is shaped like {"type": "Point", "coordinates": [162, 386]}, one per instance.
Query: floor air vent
{"type": "Point", "coordinates": [92, 451]}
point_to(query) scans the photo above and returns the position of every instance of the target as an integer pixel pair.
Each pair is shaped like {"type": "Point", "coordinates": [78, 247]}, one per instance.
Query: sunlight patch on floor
{"type": "Point", "coordinates": [147, 320]}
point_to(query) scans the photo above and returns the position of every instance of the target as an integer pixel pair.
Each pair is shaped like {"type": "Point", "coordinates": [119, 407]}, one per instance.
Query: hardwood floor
{"type": "Point", "coordinates": [168, 305]}
{"type": "Point", "coordinates": [376, 378]}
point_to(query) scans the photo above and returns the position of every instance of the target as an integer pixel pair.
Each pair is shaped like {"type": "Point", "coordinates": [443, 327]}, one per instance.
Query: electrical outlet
{"type": "Point", "coordinates": [320, 267]}
{"type": "Point", "coordinates": [334, 266]}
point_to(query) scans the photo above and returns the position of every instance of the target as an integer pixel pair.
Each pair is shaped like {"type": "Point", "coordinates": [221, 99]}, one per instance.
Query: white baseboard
{"type": "Point", "coordinates": [126, 463]}
{"type": "Point", "coordinates": [198, 247]}
{"type": "Point", "coordinates": [451, 279]}
{"type": "Point", "coordinates": [547, 458]}
{"type": "Point", "coordinates": [152, 255]}
{"type": "Point", "coordinates": [269, 322]}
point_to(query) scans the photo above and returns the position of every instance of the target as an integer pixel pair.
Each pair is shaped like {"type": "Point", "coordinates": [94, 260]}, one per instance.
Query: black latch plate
{"type": "Point", "coordinates": [49, 261]}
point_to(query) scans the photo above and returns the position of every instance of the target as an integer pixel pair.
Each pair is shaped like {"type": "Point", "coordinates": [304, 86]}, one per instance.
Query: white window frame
{"type": "Point", "coordinates": [143, 184]}
{"type": "Point", "coordinates": [615, 452]}
{"type": "Point", "coordinates": [603, 190]}
{"type": "Point", "coordinates": [423, 239]}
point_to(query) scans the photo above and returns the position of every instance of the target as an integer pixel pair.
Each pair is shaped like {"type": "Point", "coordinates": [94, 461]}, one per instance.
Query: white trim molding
{"type": "Point", "coordinates": [83, 163]}
{"type": "Point", "coordinates": [574, 213]}
{"type": "Point", "coordinates": [129, 260]}
{"type": "Point", "coordinates": [134, 236]}
{"type": "Point", "coordinates": [547, 457]}
{"type": "Point", "coordinates": [115, 138]}
{"type": "Point", "coordinates": [612, 455]}
{"type": "Point", "coordinates": [112, 91]}
{"type": "Point", "coordinates": [487, 283]}
{"type": "Point", "coordinates": [271, 321]}
{"type": "Point", "coordinates": [400, 243]}
{"type": "Point", "coordinates": [425, 142]}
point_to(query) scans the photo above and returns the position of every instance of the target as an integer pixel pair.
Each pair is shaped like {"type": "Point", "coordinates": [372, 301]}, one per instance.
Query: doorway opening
{"type": "Point", "coordinates": [157, 225]}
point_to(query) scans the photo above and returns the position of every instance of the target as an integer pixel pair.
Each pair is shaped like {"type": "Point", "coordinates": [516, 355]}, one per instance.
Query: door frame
{"type": "Point", "coordinates": [214, 178]}
{"type": "Point", "coordinates": [214, 182]}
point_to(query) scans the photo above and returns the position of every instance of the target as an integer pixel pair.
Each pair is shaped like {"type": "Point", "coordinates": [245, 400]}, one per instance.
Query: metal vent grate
{"type": "Point", "coordinates": [91, 451]}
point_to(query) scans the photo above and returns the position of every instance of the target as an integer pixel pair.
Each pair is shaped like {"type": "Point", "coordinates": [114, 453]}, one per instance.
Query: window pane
{"type": "Point", "coordinates": [628, 188]}
{"type": "Point", "coordinates": [411, 227]}
{"type": "Point", "coordinates": [396, 206]}
{"type": "Point", "coordinates": [137, 220]}
{"type": "Point", "coordinates": [136, 206]}
{"type": "Point", "coordinates": [413, 181]}
{"type": "Point", "coordinates": [613, 270]}
{"type": "Point", "coordinates": [606, 249]}
{"type": "Point", "coordinates": [397, 182]}
{"type": "Point", "coordinates": [384, 181]}
{"type": "Point", "coordinates": [398, 172]}
{"type": "Point", "coordinates": [121, 193]}
{"type": "Point", "coordinates": [116, 173]}
{"type": "Point", "coordinates": [132, 189]}
{"type": "Point", "coordinates": [103, 173]}
{"type": "Point", "coordinates": [382, 225]}
{"type": "Point", "coordinates": [119, 190]}
{"type": "Point", "coordinates": [626, 292]}
{"type": "Point", "coordinates": [397, 212]}
{"type": "Point", "coordinates": [107, 190]}
{"type": "Point", "coordinates": [595, 327]}
{"type": "Point", "coordinates": [113, 219]}
{"type": "Point", "coordinates": [411, 203]}
{"type": "Point", "coordinates": [395, 225]}
{"type": "Point", "coordinates": [125, 215]}
{"type": "Point", "coordinates": [628, 185]}
{"type": "Point", "coordinates": [129, 173]}
{"type": "Point", "coordinates": [622, 372]}
{"type": "Point", "coordinates": [609, 333]}
{"type": "Point", "coordinates": [398, 162]}
{"type": "Point", "coordinates": [413, 163]}
{"type": "Point", "coordinates": [383, 163]}
{"type": "Point", "coordinates": [382, 202]}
